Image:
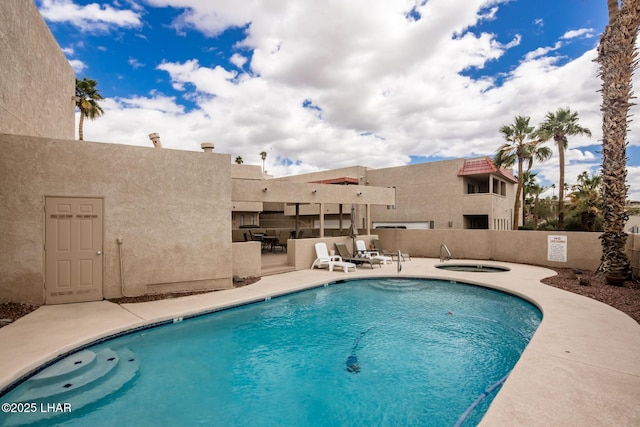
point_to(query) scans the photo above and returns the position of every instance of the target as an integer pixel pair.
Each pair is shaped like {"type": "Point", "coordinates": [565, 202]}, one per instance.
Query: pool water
{"type": "Point", "coordinates": [473, 268]}
{"type": "Point", "coordinates": [390, 352]}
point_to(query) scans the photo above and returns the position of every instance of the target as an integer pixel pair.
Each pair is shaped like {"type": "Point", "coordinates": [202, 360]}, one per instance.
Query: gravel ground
{"type": "Point", "coordinates": [625, 298]}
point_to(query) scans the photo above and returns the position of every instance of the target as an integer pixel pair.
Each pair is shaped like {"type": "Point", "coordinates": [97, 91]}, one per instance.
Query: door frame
{"type": "Point", "coordinates": [46, 297]}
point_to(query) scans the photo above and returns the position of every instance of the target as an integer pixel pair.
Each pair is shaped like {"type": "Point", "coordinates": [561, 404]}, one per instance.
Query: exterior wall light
{"type": "Point", "coordinates": [264, 190]}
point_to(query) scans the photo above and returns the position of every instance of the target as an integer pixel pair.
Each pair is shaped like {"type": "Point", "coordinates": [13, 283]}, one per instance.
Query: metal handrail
{"type": "Point", "coordinates": [443, 258]}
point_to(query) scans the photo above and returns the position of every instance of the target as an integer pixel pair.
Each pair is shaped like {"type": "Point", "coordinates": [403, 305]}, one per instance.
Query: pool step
{"type": "Point", "coordinates": [78, 380]}
{"type": "Point", "coordinates": [270, 269]}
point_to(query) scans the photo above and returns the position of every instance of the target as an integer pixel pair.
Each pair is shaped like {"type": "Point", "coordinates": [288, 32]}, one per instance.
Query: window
{"type": "Point", "coordinates": [476, 221]}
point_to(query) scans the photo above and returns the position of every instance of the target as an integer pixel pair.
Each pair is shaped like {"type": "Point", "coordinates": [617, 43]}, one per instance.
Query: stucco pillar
{"type": "Point", "coordinates": [368, 215]}
{"type": "Point", "coordinates": [321, 219]}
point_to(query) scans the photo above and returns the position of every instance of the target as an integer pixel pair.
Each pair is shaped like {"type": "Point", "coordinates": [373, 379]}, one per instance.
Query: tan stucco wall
{"type": "Point", "coordinates": [527, 247]}
{"type": "Point", "coordinates": [424, 192]}
{"type": "Point", "coordinates": [246, 171]}
{"type": "Point", "coordinates": [358, 172]}
{"type": "Point", "coordinates": [171, 208]}
{"type": "Point", "coordinates": [247, 259]}
{"type": "Point", "coordinates": [434, 192]}
{"type": "Point", "coordinates": [292, 192]}
{"type": "Point", "coordinates": [302, 252]}
{"type": "Point", "coordinates": [633, 245]}
{"type": "Point", "coordinates": [36, 80]}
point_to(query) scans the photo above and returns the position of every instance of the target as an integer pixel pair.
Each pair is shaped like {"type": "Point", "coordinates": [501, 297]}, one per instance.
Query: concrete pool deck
{"type": "Point", "coordinates": [582, 366]}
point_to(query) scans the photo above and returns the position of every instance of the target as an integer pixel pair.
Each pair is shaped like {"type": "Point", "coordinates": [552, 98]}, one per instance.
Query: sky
{"type": "Point", "coordinates": [322, 85]}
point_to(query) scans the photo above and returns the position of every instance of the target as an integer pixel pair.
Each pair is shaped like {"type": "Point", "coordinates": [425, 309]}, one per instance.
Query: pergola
{"type": "Point", "coordinates": [321, 193]}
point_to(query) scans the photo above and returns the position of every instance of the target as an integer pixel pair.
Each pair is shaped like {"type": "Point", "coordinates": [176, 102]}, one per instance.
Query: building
{"type": "Point", "coordinates": [84, 221]}
{"type": "Point", "coordinates": [449, 194]}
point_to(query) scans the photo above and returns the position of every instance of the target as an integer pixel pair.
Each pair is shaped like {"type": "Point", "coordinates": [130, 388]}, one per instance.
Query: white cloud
{"type": "Point", "coordinates": [633, 180]}
{"type": "Point", "coordinates": [580, 33]}
{"type": "Point", "coordinates": [378, 87]}
{"type": "Point", "coordinates": [77, 65]}
{"type": "Point", "coordinates": [92, 17]}
{"type": "Point", "coordinates": [238, 60]}
{"type": "Point", "coordinates": [542, 51]}
{"type": "Point", "coordinates": [135, 63]}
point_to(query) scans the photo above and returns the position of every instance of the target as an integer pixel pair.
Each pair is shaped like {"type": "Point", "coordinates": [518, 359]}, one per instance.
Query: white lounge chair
{"type": "Point", "coordinates": [362, 251]}
{"type": "Point", "coordinates": [325, 260]}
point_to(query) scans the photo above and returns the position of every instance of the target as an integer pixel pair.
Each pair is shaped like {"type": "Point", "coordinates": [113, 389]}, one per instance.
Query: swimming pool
{"type": "Point", "coordinates": [424, 351]}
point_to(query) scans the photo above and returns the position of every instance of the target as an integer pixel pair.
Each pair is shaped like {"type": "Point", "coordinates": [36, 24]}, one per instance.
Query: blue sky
{"type": "Point", "coordinates": [322, 85]}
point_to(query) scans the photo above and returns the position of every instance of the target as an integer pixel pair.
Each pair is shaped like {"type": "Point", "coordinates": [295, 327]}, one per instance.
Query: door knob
{"type": "Point", "coordinates": [99, 253]}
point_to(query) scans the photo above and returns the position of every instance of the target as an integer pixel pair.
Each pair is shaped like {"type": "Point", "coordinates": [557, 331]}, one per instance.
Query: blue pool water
{"type": "Point", "coordinates": [365, 352]}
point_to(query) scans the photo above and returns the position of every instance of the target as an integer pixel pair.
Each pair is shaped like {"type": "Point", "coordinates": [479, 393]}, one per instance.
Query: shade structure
{"type": "Point", "coordinates": [353, 229]}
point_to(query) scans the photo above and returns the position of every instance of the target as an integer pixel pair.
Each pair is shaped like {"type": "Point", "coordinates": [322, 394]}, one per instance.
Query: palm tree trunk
{"type": "Point", "coordinates": [561, 189]}
{"type": "Point", "coordinates": [516, 207]}
{"type": "Point", "coordinates": [618, 59]}
{"type": "Point", "coordinates": [80, 124]}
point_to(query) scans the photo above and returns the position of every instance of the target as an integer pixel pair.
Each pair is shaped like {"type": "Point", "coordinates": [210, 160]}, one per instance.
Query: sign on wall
{"type": "Point", "coordinates": [557, 248]}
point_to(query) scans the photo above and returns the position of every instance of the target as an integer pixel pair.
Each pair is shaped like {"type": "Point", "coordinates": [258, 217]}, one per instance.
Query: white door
{"type": "Point", "coordinates": [73, 250]}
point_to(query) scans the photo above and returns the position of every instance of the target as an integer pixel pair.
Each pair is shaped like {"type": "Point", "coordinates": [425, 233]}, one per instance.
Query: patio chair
{"type": "Point", "coordinates": [364, 252]}
{"type": "Point", "coordinates": [392, 254]}
{"type": "Point", "coordinates": [282, 241]}
{"type": "Point", "coordinates": [344, 253]}
{"type": "Point", "coordinates": [325, 260]}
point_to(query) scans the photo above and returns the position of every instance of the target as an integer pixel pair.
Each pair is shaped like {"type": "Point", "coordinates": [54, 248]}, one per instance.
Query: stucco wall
{"type": "Point", "coordinates": [634, 253]}
{"type": "Point", "coordinates": [171, 208]}
{"type": "Point", "coordinates": [247, 259]}
{"type": "Point", "coordinates": [358, 172]}
{"type": "Point", "coordinates": [302, 252]}
{"type": "Point", "coordinates": [528, 247]}
{"type": "Point", "coordinates": [36, 80]}
{"type": "Point", "coordinates": [434, 192]}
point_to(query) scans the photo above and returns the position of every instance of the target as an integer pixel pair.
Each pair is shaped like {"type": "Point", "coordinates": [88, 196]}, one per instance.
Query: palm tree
{"type": "Point", "coordinates": [617, 57]}
{"type": "Point", "coordinates": [86, 100]}
{"type": "Point", "coordinates": [586, 200]}
{"type": "Point", "coordinates": [536, 190]}
{"type": "Point", "coordinates": [520, 147]}
{"type": "Point", "coordinates": [558, 126]}
{"type": "Point", "coordinates": [263, 156]}
{"type": "Point", "coordinates": [239, 160]}
{"type": "Point", "coordinates": [528, 184]}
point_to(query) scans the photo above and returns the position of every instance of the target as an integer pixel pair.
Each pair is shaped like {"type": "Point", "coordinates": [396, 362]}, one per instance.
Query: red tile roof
{"type": "Point", "coordinates": [484, 166]}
